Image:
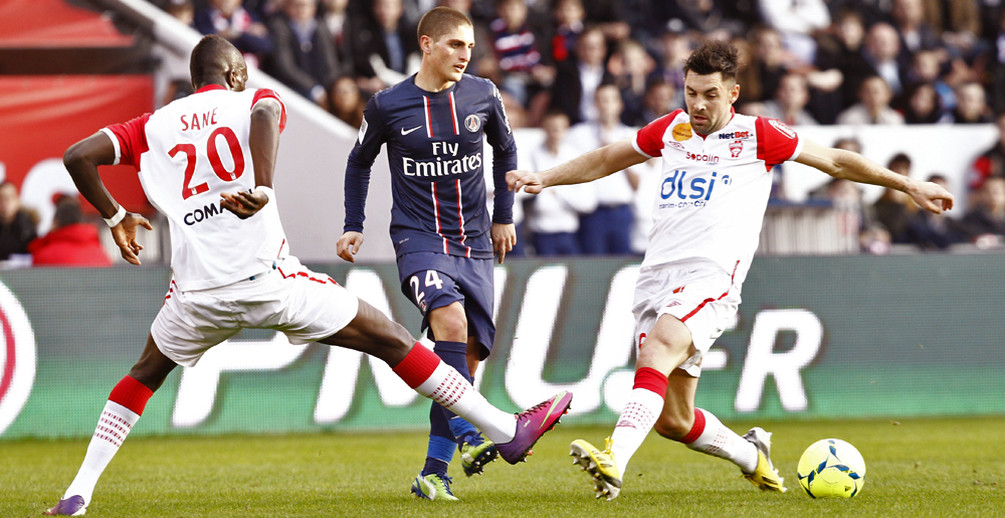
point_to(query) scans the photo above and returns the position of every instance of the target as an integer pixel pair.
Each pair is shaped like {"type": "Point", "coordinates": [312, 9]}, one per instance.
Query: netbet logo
{"type": "Point", "coordinates": [698, 189]}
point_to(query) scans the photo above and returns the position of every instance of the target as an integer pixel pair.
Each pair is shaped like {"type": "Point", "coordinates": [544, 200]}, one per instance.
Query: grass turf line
{"type": "Point", "coordinates": [915, 467]}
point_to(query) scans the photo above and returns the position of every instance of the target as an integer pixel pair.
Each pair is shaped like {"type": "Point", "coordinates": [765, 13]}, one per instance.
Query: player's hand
{"type": "Point", "coordinates": [124, 235]}
{"type": "Point", "coordinates": [348, 245]}
{"type": "Point", "coordinates": [244, 204]}
{"type": "Point", "coordinates": [526, 180]}
{"type": "Point", "coordinates": [503, 239]}
{"type": "Point", "coordinates": [931, 196]}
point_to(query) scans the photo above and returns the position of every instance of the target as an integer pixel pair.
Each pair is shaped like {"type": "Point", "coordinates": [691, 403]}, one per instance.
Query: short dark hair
{"type": "Point", "coordinates": [68, 211]}
{"type": "Point", "coordinates": [211, 58]}
{"type": "Point", "coordinates": [711, 57]}
{"type": "Point", "coordinates": [440, 20]}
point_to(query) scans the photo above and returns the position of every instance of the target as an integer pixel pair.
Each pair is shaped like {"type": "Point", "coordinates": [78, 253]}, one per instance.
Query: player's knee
{"type": "Point", "coordinates": [672, 427]}
{"type": "Point", "coordinates": [449, 323]}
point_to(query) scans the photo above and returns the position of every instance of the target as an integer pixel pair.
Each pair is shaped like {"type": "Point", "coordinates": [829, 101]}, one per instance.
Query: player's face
{"type": "Point", "coordinates": [448, 56]}
{"type": "Point", "coordinates": [709, 99]}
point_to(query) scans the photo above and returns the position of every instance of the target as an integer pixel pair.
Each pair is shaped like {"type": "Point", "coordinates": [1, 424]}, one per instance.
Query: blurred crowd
{"type": "Point", "coordinates": [591, 71]}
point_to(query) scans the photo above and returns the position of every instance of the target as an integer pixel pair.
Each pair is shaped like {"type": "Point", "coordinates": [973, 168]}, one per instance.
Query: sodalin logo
{"type": "Point", "coordinates": [17, 358]}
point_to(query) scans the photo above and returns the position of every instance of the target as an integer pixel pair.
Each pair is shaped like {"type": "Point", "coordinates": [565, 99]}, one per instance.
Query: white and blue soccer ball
{"type": "Point", "coordinates": [831, 468]}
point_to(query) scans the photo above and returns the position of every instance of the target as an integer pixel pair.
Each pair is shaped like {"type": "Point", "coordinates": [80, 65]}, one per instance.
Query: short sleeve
{"type": "Point", "coordinates": [649, 139]}
{"type": "Point", "coordinates": [129, 139]}
{"type": "Point", "coordinates": [776, 142]}
{"type": "Point", "coordinates": [265, 93]}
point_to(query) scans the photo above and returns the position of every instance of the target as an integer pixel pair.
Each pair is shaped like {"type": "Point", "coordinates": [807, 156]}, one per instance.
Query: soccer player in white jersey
{"type": "Point", "coordinates": [206, 162]}
{"type": "Point", "coordinates": [715, 183]}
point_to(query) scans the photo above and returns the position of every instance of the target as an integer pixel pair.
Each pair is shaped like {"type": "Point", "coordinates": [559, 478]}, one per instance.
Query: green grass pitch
{"type": "Point", "coordinates": [916, 467]}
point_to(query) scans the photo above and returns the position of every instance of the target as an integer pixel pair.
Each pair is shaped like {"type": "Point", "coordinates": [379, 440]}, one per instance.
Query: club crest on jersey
{"type": "Point", "coordinates": [682, 131]}
{"type": "Point", "coordinates": [473, 123]}
{"type": "Point", "coordinates": [735, 148]}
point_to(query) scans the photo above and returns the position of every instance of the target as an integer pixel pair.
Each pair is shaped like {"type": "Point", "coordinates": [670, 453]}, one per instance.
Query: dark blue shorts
{"type": "Point", "coordinates": [433, 280]}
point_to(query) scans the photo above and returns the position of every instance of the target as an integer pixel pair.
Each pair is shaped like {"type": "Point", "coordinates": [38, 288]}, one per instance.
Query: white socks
{"type": "Point", "coordinates": [423, 370]}
{"type": "Point", "coordinates": [113, 426]}
{"type": "Point", "coordinates": [638, 417]}
{"type": "Point", "coordinates": [710, 436]}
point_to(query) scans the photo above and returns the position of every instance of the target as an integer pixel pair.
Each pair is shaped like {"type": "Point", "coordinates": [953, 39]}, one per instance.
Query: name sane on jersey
{"type": "Point", "coordinates": [198, 120]}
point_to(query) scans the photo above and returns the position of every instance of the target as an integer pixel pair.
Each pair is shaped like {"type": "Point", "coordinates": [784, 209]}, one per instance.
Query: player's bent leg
{"type": "Point", "coordinates": [371, 332]}
{"type": "Point", "coordinates": [153, 366]}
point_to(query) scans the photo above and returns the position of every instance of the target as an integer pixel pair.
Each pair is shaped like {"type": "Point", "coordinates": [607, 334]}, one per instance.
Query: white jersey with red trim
{"type": "Point", "coordinates": [189, 152]}
{"type": "Point", "coordinates": [714, 188]}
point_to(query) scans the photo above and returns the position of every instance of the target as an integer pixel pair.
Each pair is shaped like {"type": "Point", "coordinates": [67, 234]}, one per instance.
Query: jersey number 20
{"type": "Point", "coordinates": [214, 160]}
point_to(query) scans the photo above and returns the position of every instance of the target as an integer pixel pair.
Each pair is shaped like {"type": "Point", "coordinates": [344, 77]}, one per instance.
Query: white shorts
{"type": "Point", "coordinates": [698, 292]}
{"type": "Point", "coordinates": [305, 305]}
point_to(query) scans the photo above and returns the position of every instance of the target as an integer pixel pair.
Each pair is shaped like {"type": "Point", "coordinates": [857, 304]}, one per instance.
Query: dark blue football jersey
{"type": "Point", "coordinates": [435, 151]}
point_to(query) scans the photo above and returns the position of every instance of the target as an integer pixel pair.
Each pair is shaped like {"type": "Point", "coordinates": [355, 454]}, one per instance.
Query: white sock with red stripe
{"type": "Point", "coordinates": [122, 411]}
{"type": "Point", "coordinates": [639, 415]}
{"type": "Point", "coordinates": [423, 370]}
{"type": "Point", "coordinates": [709, 435]}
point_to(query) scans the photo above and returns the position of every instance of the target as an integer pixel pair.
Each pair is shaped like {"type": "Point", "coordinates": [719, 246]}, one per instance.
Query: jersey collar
{"type": "Point", "coordinates": [210, 87]}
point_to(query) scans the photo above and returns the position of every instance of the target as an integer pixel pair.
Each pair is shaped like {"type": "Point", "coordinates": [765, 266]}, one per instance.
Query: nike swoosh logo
{"type": "Point", "coordinates": [406, 132]}
{"type": "Point", "coordinates": [552, 408]}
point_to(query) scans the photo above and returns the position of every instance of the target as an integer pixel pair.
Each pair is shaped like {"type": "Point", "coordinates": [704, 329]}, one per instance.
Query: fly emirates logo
{"type": "Point", "coordinates": [679, 191]}
{"type": "Point", "coordinates": [447, 162]}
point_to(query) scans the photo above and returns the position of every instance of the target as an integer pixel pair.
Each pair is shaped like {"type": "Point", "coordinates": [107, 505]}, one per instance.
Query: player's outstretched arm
{"type": "Point", "coordinates": [82, 160]}
{"type": "Point", "coordinates": [348, 245]}
{"type": "Point", "coordinates": [584, 168]}
{"type": "Point", "coordinates": [847, 165]}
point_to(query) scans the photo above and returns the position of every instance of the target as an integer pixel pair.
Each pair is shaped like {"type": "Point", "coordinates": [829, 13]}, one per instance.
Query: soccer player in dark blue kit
{"type": "Point", "coordinates": [433, 124]}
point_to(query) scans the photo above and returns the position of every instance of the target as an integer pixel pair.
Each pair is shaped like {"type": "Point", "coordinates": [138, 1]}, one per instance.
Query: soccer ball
{"type": "Point", "coordinates": [831, 468]}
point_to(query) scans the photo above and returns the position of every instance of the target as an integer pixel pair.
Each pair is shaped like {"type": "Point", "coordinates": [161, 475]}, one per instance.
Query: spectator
{"type": "Point", "coordinates": [71, 242]}
{"type": "Point", "coordinates": [606, 15]}
{"type": "Point", "coordinates": [926, 67]}
{"type": "Point", "coordinates": [659, 100]}
{"type": "Point", "coordinates": [347, 101]}
{"type": "Point", "coordinates": [922, 105]}
{"type": "Point", "coordinates": [992, 161]}
{"type": "Point", "coordinates": [607, 230]}
{"type": "Point", "coordinates": [789, 104]}
{"type": "Point", "coordinates": [841, 49]}
{"type": "Point", "coordinates": [553, 220]}
{"type": "Point", "coordinates": [883, 52]}
{"type": "Point", "coordinates": [894, 209]}
{"type": "Point", "coordinates": [242, 27]}
{"type": "Point", "coordinates": [17, 224]}
{"type": "Point", "coordinates": [383, 47]}
{"type": "Point", "coordinates": [971, 105]}
{"type": "Point", "coordinates": [674, 49]}
{"type": "Point", "coordinates": [630, 66]}
{"type": "Point", "coordinates": [768, 62]}
{"type": "Point", "coordinates": [335, 16]}
{"type": "Point", "coordinates": [518, 52]}
{"type": "Point", "coordinates": [985, 220]}
{"type": "Point", "coordinates": [171, 77]}
{"type": "Point", "coordinates": [707, 18]}
{"type": "Point", "coordinates": [569, 17]}
{"type": "Point", "coordinates": [304, 57]}
{"type": "Point", "coordinates": [873, 106]}
{"type": "Point", "coordinates": [930, 231]}
{"type": "Point", "coordinates": [916, 33]}
{"type": "Point", "coordinates": [798, 23]}
{"type": "Point", "coordinates": [577, 79]}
